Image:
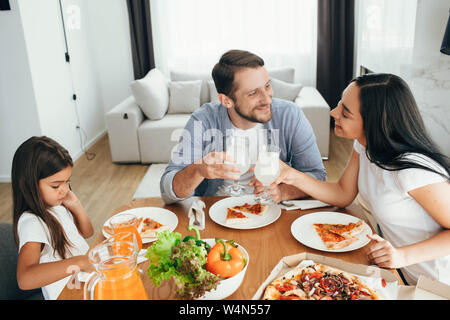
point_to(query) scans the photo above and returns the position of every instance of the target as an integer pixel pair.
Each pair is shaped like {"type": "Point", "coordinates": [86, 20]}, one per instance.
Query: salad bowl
{"type": "Point", "coordinates": [226, 287]}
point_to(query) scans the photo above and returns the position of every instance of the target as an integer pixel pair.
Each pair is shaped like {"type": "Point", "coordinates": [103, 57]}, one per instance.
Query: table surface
{"type": "Point", "coordinates": [266, 246]}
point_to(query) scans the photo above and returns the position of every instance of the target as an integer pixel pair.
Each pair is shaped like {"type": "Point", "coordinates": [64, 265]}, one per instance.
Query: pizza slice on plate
{"type": "Point", "coordinates": [150, 227]}
{"type": "Point", "coordinates": [235, 217]}
{"type": "Point", "coordinates": [257, 209]}
{"type": "Point", "coordinates": [346, 230]}
{"type": "Point", "coordinates": [338, 236]}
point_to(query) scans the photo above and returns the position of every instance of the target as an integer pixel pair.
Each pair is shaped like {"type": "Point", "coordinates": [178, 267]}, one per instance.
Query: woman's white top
{"type": "Point", "coordinates": [402, 220]}
{"type": "Point", "coordinates": [31, 228]}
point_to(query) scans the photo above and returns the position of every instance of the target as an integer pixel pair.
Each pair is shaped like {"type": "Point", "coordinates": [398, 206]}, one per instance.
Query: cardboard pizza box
{"type": "Point", "coordinates": [426, 288]}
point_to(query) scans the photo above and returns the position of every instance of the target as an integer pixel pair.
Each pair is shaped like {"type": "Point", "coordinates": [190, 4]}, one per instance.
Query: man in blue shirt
{"type": "Point", "coordinates": [245, 103]}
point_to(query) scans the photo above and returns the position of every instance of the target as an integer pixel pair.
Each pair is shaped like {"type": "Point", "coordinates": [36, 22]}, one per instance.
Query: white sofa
{"type": "Point", "coordinates": [135, 137]}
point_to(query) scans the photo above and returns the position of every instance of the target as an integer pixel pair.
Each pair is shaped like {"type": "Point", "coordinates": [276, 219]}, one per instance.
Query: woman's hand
{"type": "Point", "coordinates": [383, 254]}
{"type": "Point", "coordinates": [287, 174]}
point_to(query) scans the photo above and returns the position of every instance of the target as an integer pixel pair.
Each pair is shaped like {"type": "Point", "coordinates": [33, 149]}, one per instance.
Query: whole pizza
{"type": "Point", "coordinates": [319, 282]}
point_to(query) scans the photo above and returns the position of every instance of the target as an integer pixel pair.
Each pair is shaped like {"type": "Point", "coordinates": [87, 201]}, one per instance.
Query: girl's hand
{"type": "Point", "coordinates": [84, 264]}
{"type": "Point", "coordinates": [383, 254]}
{"type": "Point", "coordinates": [70, 201]}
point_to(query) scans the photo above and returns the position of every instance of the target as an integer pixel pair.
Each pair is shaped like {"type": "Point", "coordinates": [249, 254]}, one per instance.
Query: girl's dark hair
{"type": "Point", "coordinates": [36, 159]}
{"type": "Point", "coordinates": [230, 62]}
{"type": "Point", "coordinates": [393, 125]}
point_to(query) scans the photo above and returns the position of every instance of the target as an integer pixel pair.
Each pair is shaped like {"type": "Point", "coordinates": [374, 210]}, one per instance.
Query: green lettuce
{"type": "Point", "coordinates": [184, 261]}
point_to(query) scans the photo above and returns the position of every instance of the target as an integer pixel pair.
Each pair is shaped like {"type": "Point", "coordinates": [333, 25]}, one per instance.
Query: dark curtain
{"type": "Point", "coordinates": [336, 28]}
{"type": "Point", "coordinates": [141, 37]}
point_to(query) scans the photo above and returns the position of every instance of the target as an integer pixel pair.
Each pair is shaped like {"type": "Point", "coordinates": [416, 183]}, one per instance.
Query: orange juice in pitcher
{"type": "Point", "coordinates": [117, 276]}
{"type": "Point", "coordinates": [127, 222]}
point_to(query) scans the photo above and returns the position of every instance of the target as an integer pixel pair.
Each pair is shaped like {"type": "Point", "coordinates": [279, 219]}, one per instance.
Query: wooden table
{"type": "Point", "coordinates": [266, 245]}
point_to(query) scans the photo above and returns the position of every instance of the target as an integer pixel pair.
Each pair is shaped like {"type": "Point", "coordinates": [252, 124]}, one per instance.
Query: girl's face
{"type": "Point", "coordinates": [347, 116]}
{"type": "Point", "coordinates": [54, 188]}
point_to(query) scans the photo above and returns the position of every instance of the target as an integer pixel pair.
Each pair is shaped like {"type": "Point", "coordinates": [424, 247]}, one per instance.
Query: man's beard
{"type": "Point", "coordinates": [251, 118]}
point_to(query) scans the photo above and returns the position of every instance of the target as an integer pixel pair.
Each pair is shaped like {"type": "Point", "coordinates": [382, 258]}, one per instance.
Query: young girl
{"type": "Point", "coordinates": [50, 223]}
{"type": "Point", "coordinates": [399, 173]}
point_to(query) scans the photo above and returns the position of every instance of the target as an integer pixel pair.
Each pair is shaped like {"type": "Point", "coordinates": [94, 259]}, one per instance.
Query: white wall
{"type": "Point", "coordinates": [109, 34]}
{"type": "Point", "coordinates": [414, 55]}
{"type": "Point", "coordinates": [36, 80]}
{"type": "Point", "coordinates": [18, 113]}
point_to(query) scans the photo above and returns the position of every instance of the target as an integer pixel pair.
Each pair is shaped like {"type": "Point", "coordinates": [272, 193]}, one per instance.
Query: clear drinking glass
{"type": "Point", "coordinates": [238, 148]}
{"type": "Point", "coordinates": [267, 170]}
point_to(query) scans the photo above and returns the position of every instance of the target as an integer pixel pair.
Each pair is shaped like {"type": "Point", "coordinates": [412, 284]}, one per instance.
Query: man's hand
{"type": "Point", "coordinates": [212, 166]}
{"type": "Point", "coordinates": [274, 191]}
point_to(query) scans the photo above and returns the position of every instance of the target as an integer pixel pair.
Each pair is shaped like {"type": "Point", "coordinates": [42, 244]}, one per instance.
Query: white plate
{"type": "Point", "coordinates": [303, 230]}
{"type": "Point", "coordinates": [218, 213]}
{"type": "Point", "coordinates": [161, 215]}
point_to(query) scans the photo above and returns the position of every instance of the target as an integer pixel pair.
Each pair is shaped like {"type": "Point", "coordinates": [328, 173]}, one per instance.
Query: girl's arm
{"type": "Point", "coordinates": [341, 193]}
{"type": "Point", "coordinates": [434, 198]}
{"type": "Point", "coordinates": [82, 220]}
{"type": "Point", "coordinates": [31, 274]}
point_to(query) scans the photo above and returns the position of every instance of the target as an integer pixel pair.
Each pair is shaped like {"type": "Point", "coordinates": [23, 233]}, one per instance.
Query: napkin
{"type": "Point", "coordinates": [197, 211]}
{"type": "Point", "coordinates": [304, 204]}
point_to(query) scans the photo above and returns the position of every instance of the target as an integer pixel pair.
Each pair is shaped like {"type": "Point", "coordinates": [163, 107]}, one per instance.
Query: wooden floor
{"type": "Point", "coordinates": [103, 186]}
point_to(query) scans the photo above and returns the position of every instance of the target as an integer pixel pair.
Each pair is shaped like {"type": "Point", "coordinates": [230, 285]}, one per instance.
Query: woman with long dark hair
{"type": "Point", "coordinates": [399, 173]}
{"type": "Point", "coordinates": [50, 223]}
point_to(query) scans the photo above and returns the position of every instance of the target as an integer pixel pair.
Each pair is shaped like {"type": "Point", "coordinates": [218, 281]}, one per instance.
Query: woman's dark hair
{"type": "Point", "coordinates": [230, 62]}
{"type": "Point", "coordinates": [36, 159]}
{"type": "Point", "coordinates": [393, 125]}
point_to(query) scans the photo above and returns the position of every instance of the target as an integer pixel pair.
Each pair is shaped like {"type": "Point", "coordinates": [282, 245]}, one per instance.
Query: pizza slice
{"type": "Point", "coordinates": [346, 230]}
{"type": "Point", "coordinates": [235, 217]}
{"type": "Point", "coordinates": [331, 240]}
{"type": "Point", "coordinates": [257, 208]}
{"type": "Point", "coordinates": [150, 227]}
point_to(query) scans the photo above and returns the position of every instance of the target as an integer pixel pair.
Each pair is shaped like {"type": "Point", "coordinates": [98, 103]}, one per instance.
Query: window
{"type": "Point", "coordinates": [192, 35]}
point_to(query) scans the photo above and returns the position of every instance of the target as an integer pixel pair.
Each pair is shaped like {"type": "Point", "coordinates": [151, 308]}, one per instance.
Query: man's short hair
{"type": "Point", "coordinates": [230, 62]}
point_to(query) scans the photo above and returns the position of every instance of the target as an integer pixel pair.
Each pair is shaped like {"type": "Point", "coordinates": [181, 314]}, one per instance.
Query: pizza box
{"type": "Point", "coordinates": [426, 288]}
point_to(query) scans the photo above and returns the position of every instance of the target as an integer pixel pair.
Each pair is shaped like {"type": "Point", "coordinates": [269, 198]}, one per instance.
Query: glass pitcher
{"type": "Point", "coordinates": [117, 276]}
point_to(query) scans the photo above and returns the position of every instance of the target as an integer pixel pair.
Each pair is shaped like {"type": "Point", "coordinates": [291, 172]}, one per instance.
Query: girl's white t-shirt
{"type": "Point", "coordinates": [402, 220]}
{"type": "Point", "coordinates": [31, 228]}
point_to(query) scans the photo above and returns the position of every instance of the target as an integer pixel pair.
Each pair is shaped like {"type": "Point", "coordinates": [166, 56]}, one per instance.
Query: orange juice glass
{"type": "Point", "coordinates": [126, 222]}
{"type": "Point", "coordinates": [117, 276]}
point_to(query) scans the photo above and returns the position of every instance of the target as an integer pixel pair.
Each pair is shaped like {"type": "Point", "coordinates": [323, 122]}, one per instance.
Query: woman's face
{"type": "Point", "coordinates": [54, 188]}
{"type": "Point", "coordinates": [347, 116]}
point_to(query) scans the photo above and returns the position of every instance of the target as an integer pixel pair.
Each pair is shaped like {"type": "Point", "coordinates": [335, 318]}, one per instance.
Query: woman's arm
{"type": "Point", "coordinates": [31, 274]}
{"type": "Point", "coordinates": [82, 220]}
{"type": "Point", "coordinates": [341, 193]}
{"type": "Point", "coordinates": [434, 198]}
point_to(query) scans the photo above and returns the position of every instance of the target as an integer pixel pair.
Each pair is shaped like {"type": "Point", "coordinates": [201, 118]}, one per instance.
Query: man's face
{"type": "Point", "coordinates": [253, 94]}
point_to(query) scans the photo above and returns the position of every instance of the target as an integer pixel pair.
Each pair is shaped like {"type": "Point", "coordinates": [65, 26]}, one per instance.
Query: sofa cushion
{"type": "Point", "coordinates": [152, 94]}
{"type": "Point", "coordinates": [158, 138]}
{"type": "Point", "coordinates": [190, 76]}
{"type": "Point", "coordinates": [212, 91]}
{"type": "Point", "coordinates": [284, 90]}
{"type": "Point", "coordinates": [285, 74]}
{"type": "Point", "coordinates": [184, 96]}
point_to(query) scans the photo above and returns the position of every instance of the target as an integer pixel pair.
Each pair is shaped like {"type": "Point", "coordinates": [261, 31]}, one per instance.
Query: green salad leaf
{"type": "Point", "coordinates": [184, 261]}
